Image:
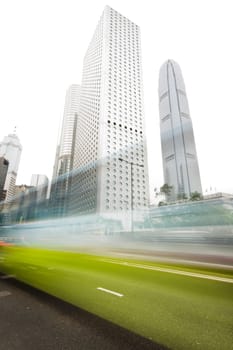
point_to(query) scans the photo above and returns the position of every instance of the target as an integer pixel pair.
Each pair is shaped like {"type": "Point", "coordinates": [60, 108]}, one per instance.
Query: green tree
{"type": "Point", "coordinates": [195, 196]}
{"type": "Point", "coordinates": [166, 189]}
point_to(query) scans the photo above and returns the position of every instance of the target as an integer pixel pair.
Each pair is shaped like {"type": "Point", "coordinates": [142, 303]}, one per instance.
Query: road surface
{"type": "Point", "coordinates": [31, 319]}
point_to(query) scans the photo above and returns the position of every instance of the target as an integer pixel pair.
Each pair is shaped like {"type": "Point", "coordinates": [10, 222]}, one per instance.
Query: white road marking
{"type": "Point", "coordinates": [110, 291]}
{"type": "Point", "coordinates": [5, 277]}
{"type": "Point", "coordinates": [4, 293]}
{"type": "Point", "coordinates": [174, 271]}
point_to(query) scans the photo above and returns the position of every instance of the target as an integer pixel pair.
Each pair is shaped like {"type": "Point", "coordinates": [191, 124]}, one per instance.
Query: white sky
{"type": "Point", "coordinates": [43, 43]}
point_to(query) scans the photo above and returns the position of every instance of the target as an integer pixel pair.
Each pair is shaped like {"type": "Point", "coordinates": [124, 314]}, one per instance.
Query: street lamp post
{"type": "Point", "coordinates": [131, 182]}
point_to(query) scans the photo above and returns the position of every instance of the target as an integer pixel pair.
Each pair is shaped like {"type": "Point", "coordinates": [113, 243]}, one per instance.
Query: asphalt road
{"type": "Point", "coordinates": [31, 319]}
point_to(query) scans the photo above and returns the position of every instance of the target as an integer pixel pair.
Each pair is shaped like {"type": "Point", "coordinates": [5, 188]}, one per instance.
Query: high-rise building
{"type": "Point", "coordinates": [3, 172]}
{"type": "Point", "coordinates": [40, 182]}
{"type": "Point", "coordinates": [180, 164]}
{"type": "Point", "coordinates": [60, 187]}
{"type": "Point", "coordinates": [10, 149]}
{"type": "Point", "coordinates": [110, 150]}
{"type": "Point", "coordinates": [65, 154]}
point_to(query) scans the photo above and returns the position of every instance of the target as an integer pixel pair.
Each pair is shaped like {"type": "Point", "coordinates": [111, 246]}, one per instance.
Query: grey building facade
{"type": "Point", "coordinates": [63, 165]}
{"type": "Point", "coordinates": [180, 164]}
{"type": "Point", "coordinates": [3, 172]}
{"type": "Point", "coordinates": [65, 151]}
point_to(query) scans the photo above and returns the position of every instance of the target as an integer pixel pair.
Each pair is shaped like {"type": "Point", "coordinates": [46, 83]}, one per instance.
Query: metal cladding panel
{"type": "Point", "coordinates": [177, 138]}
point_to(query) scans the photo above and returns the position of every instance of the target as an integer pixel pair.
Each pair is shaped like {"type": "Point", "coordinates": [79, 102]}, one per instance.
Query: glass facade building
{"type": "Point", "coordinates": [180, 164]}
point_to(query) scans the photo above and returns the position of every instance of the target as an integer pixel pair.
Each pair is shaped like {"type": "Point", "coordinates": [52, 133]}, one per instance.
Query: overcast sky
{"type": "Point", "coordinates": [42, 48]}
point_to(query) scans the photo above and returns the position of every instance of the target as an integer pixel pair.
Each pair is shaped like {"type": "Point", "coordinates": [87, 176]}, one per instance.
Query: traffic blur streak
{"type": "Point", "coordinates": [170, 284]}
{"type": "Point", "coordinates": [179, 305]}
{"type": "Point", "coordinates": [91, 233]}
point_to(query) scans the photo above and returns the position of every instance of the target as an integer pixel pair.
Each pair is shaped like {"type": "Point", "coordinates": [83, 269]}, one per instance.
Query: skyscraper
{"type": "Point", "coordinates": [59, 195]}
{"type": "Point", "coordinates": [10, 149]}
{"type": "Point", "coordinates": [3, 172]}
{"type": "Point", "coordinates": [110, 150]}
{"type": "Point", "coordinates": [40, 182]}
{"type": "Point", "coordinates": [65, 154]}
{"type": "Point", "coordinates": [180, 164]}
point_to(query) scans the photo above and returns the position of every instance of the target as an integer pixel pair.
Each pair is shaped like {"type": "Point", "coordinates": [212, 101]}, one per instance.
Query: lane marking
{"type": "Point", "coordinates": [5, 277]}
{"type": "Point", "coordinates": [4, 293]}
{"type": "Point", "coordinates": [110, 292]}
{"type": "Point", "coordinates": [174, 271]}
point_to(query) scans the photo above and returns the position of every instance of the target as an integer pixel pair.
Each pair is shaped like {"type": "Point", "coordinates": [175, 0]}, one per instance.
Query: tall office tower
{"type": "Point", "coordinates": [60, 187]}
{"type": "Point", "coordinates": [180, 164]}
{"type": "Point", "coordinates": [110, 152]}
{"type": "Point", "coordinates": [65, 151]}
{"type": "Point", "coordinates": [10, 149]}
{"type": "Point", "coordinates": [3, 172]}
{"type": "Point", "coordinates": [55, 166]}
{"type": "Point", "coordinates": [41, 182]}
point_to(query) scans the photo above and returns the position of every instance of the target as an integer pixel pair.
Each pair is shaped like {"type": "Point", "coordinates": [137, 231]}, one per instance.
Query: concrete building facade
{"type": "Point", "coordinates": [110, 151]}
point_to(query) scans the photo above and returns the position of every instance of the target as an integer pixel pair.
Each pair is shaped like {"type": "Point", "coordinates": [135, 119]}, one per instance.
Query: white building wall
{"type": "Point", "coordinates": [111, 124]}
{"type": "Point", "coordinates": [10, 149]}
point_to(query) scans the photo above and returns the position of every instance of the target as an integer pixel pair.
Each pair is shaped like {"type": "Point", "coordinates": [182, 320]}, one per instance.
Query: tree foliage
{"type": "Point", "coordinates": [166, 189]}
{"type": "Point", "coordinates": [195, 196]}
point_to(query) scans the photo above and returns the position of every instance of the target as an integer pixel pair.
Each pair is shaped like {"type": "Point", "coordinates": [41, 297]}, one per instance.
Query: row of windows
{"type": "Point", "coordinates": [129, 117]}
{"type": "Point", "coordinates": [116, 166]}
{"type": "Point", "coordinates": [124, 101]}
{"type": "Point", "coordinates": [117, 191]}
{"type": "Point", "coordinates": [128, 137]}
{"type": "Point", "coordinates": [128, 82]}
{"type": "Point", "coordinates": [124, 140]}
{"type": "Point", "coordinates": [123, 28]}
{"type": "Point", "coordinates": [110, 174]}
{"type": "Point", "coordinates": [121, 137]}
{"type": "Point", "coordinates": [125, 127]}
{"type": "Point", "coordinates": [124, 61]}
{"type": "Point", "coordinates": [125, 153]}
{"type": "Point", "coordinates": [128, 109]}
{"type": "Point", "coordinates": [118, 50]}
